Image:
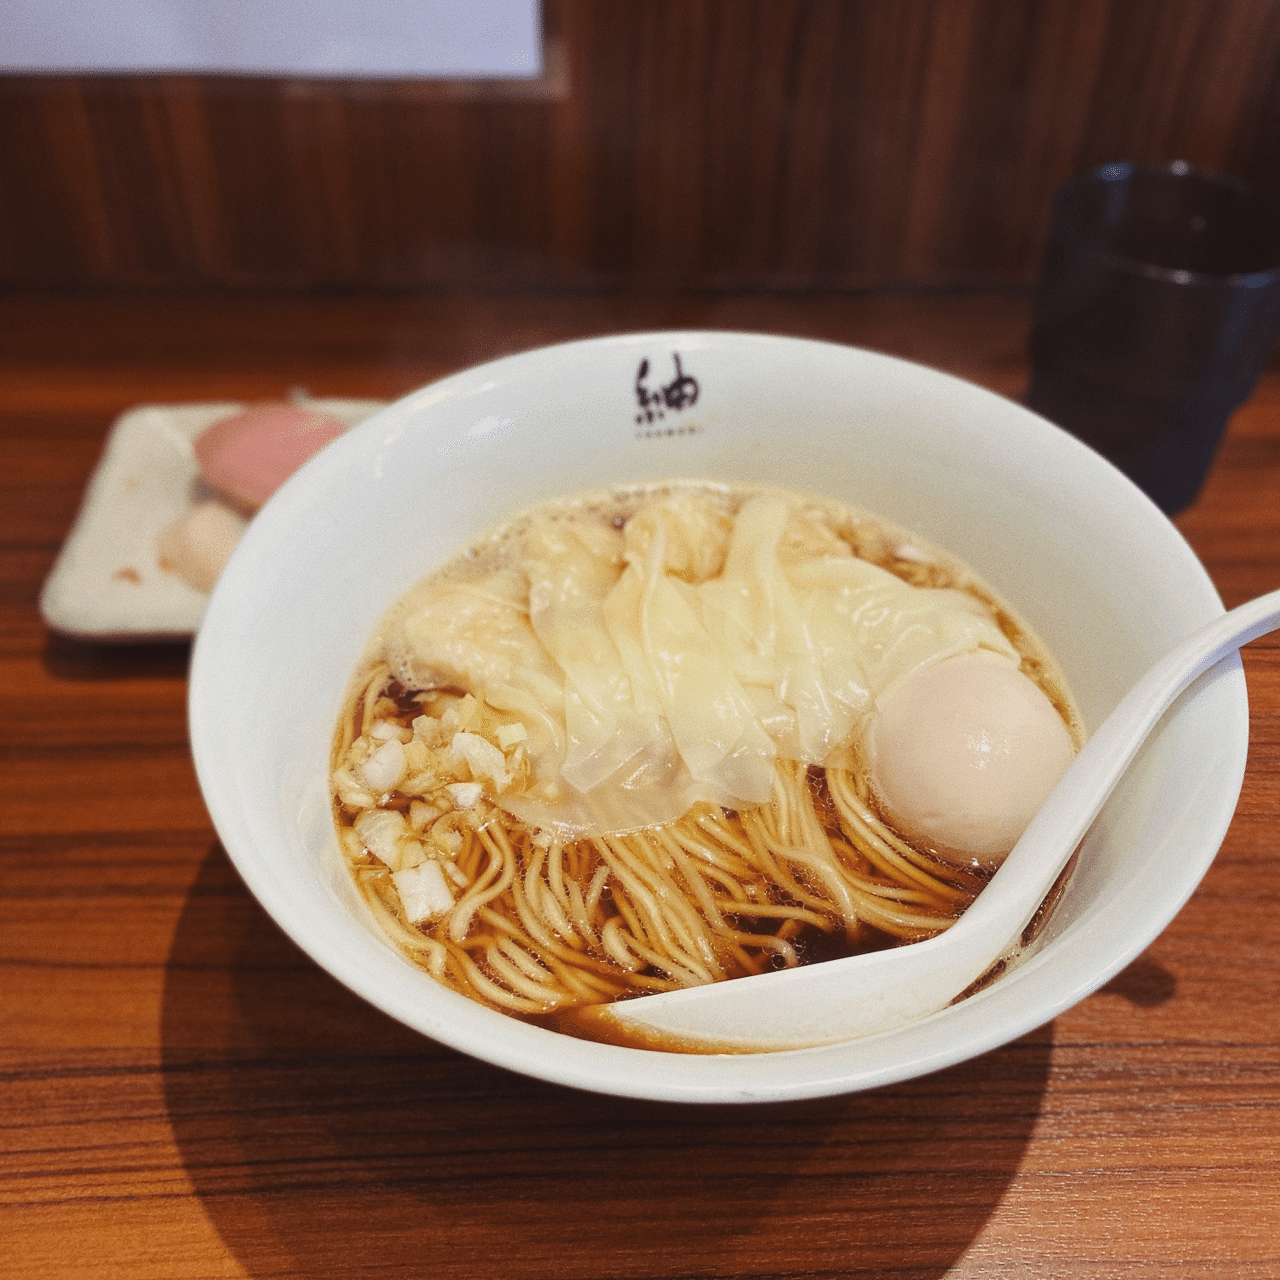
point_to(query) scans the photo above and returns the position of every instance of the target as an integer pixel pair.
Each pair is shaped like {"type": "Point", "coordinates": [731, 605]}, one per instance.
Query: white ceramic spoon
{"type": "Point", "coordinates": [861, 995]}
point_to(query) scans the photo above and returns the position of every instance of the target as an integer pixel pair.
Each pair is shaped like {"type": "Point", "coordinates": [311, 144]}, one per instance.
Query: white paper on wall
{"type": "Point", "coordinates": [401, 39]}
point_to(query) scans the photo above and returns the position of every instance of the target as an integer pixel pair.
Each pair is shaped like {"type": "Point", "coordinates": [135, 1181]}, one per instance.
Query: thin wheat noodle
{"type": "Point", "coordinates": [497, 878]}
{"type": "Point", "coordinates": [547, 920]}
{"type": "Point", "coordinates": [659, 926]}
{"type": "Point", "coordinates": [587, 970]}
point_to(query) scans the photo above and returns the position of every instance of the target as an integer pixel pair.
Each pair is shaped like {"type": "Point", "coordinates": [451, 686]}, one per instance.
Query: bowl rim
{"type": "Point", "coordinates": [983, 1022]}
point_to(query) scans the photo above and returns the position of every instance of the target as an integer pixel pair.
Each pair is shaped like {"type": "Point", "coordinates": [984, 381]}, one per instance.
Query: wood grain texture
{"type": "Point", "coordinates": [700, 143]}
{"type": "Point", "coordinates": [183, 1094]}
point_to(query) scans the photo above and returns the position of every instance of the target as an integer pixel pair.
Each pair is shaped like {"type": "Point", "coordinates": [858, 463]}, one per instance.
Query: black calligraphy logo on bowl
{"type": "Point", "coordinates": [656, 402]}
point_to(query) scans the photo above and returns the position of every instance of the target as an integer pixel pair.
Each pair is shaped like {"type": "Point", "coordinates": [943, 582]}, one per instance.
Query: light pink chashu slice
{"type": "Point", "coordinates": [245, 458]}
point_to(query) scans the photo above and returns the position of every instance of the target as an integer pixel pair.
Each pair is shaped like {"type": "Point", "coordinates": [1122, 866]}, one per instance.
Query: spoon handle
{"type": "Point", "coordinates": [1060, 825]}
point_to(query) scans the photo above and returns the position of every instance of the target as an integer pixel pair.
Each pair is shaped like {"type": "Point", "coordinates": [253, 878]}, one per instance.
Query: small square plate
{"type": "Point", "coordinates": [107, 583]}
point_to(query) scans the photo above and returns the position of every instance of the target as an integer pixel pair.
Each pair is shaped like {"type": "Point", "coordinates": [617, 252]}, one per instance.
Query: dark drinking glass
{"type": "Point", "coordinates": [1158, 303]}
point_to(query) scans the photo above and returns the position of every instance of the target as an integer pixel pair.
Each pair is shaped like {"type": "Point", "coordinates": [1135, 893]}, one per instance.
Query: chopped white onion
{"type": "Point", "coordinates": [429, 730]}
{"type": "Point", "coordinates": [384, 769]}
{"type": "Point", "coordinates": [423, 892]}
{"type": "Point", "coordinates": [421, 813]}
{"type": "Point", "coordinates": [485, 759]}
{"type": "Point", "coordinates": [411, 854]}
{"type": "Point", "coordinates": [382, 831]}
{"type": "Point", "coordinates": [466, 795]}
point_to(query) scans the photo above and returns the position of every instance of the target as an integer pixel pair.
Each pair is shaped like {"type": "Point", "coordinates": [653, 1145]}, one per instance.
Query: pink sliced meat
{"type": "Point", "coordinates": [247, 457]}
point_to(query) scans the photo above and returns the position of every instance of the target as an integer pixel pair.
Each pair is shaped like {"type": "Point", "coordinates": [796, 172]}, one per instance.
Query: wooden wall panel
{"type": "Point", "coordinates": [700, 143]}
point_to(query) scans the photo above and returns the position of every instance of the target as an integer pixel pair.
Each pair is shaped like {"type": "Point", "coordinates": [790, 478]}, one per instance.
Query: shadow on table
{"type": "Point", "coordinates": [323, 1138]}
{"type": "Point", "coordinates": [71, 659]}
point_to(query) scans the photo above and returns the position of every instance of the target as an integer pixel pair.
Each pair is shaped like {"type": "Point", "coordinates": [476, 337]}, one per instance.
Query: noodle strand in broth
{"type": "Point", "coordinates": [517, 889]}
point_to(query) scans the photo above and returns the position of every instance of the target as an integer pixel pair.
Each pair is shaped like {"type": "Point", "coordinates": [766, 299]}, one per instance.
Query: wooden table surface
{"type": "Point", "coordinates": [185, 1095]}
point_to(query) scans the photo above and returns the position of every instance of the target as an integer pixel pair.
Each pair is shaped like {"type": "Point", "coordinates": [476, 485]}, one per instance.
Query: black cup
{"type": "Point", "coordinates": [1159, 301]}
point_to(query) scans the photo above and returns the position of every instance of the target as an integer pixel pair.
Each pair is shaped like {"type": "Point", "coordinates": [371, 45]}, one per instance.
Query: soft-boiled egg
{"type": "Point", "coordinates": [964, 752]}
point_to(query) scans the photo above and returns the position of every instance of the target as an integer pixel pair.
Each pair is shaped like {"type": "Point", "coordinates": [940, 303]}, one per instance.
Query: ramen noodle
{"type": "Point", "coordinates": [659, 737]}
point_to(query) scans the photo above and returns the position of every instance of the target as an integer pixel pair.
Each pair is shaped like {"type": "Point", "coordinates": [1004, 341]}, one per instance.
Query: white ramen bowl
{"type": "Point", "coordinates": [1088, 561]}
